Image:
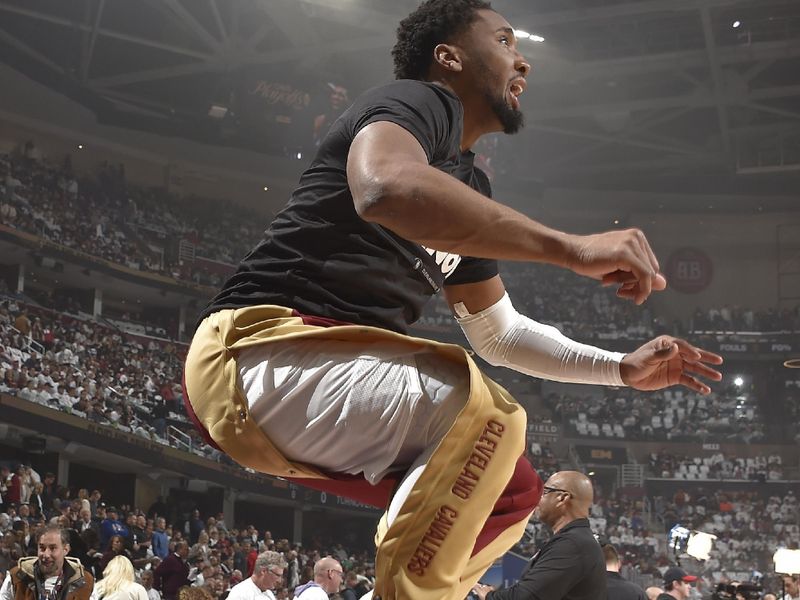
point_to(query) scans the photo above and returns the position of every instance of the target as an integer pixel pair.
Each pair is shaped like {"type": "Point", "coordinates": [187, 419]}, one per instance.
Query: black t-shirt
{"type": "Point", "coordinates": [620, 589]}
{"type": "Point", "coordinates": [569, 566]}
{"type": "Point", "coordinates": [320, 258]}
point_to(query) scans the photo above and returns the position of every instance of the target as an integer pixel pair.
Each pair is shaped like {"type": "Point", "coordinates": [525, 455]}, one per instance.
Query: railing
{"type": "Point", "coordinates": [632, 475]}
{"type": "Point", "coordinates": [179, 439]}
{"type": "Point", "coordinates": [31, 344]}
{"type": "Point", "coordinates": [186, 251]}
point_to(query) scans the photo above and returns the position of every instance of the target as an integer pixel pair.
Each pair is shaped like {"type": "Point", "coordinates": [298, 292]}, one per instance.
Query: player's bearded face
{"type": "Point", "coordinates": [511, 119]}
{"type": "Point", "coordinates": [495, 90]}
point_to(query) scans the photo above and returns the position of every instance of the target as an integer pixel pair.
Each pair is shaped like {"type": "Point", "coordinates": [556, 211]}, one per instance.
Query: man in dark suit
{"type": "Point", "coordinates": [570, 565]}
{"type": "Point", "coordinates": [173, 572]}
{"type": "Point", "coordinates": [618, 588]}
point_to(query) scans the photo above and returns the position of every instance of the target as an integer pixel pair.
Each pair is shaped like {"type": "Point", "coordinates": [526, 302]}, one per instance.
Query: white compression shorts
{"type": "Point", "coordinates": [348, 408]}
{"type": "Point", "coordinates": [503, 337]}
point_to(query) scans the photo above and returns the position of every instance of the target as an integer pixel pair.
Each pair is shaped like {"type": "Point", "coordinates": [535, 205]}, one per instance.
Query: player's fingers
{"type": "Point", "coordinates": [638, 263]}
{"type": "Point", "coordinates": [694, 384]}
{"type": "Point", "coordinates": [651, 256]}
{"type": "Point", "coordinates": [703, 370]}
{"type": "Point", "coordinates": [616, 277]}
{"type": "Point", "coordinates": [710, 357]}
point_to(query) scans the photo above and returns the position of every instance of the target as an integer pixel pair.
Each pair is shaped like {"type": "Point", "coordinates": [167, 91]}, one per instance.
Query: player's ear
{"type": "Point", "coordinates": [448, 56]}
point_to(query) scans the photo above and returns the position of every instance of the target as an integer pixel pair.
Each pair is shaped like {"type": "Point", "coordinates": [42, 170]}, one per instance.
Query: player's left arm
{"type": "Point", "coordinates": [503, 337]}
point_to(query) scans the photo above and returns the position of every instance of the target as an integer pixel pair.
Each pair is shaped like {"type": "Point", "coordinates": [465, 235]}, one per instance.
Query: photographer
{"type": "Point", "coordinates": [739, 591]}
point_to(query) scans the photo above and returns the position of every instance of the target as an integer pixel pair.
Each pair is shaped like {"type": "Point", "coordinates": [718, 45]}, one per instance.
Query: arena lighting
{"type": "Point", "coordinates": [787, 562]}
{"type": "Point", "coordinates": [217, 111]}
{"type": "Point", "coordinates": [696, 544]}
{"type": "Point", "coordinates": [678, 537]}
{"type": "Point", "coordinates": [736, 24]}
{"type": "Point", "coordinates": [266, 188]}
{"type": "Point", "coordinates": [521, 34]}
{"type": "Point", "coordinates": [738, 381]}
{"type": "Point", "coordinates": [80, 146]}
{"type": "Point", "coordinates": [699, 545]}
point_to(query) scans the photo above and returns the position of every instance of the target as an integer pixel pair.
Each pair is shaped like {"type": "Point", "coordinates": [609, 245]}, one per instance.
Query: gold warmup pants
{"type": "Point", "coordinates": [430, 551]}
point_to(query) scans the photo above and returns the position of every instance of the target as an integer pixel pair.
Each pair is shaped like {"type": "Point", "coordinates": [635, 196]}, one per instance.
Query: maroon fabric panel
{"type": "Point", "coordinates": [355, 487]}
{"type": "Point", "coordinates": [519, 498]}
{"type": "Point", "coordinates": [193, 417]}
{"type": "Point", "coordinates": [318, 321]}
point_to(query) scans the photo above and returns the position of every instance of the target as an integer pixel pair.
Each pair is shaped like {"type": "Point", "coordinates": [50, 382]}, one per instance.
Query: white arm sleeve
{"type": "Point", "coordinates": [503, 337]}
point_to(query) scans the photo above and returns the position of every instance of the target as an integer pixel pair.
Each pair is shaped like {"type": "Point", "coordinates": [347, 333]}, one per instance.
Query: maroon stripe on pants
{"type": "Point", "coordinates": [193, 417]}
{"type": "Point", "coordinates": [519, 498]}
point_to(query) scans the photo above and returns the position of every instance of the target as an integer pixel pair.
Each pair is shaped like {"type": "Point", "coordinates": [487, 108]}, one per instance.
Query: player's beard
{"type": "Point", "coordinates": [511, 119]}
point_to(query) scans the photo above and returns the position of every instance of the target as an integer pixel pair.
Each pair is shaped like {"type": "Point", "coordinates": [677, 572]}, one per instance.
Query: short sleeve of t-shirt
{"type": "Point", "coordinates": [425, 110]}
{"type": "Point", "coordinates": [473, 270]}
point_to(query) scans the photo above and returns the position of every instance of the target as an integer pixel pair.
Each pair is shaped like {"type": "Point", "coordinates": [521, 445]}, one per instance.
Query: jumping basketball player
{"type": "Point", "coordinates": [301, 366]}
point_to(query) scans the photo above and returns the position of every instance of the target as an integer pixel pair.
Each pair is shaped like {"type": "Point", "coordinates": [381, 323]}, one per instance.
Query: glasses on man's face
{"type": "Point", "coordinates": [339, 573]}
{"type": "Point", "coordinates": [549, 490]}
{"type": "Point", "coordinates": [276, 574]}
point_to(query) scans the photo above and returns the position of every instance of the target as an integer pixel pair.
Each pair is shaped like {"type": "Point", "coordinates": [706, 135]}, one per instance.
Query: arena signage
{"type": "Point", "coordinates": [733, 347]}
{"type": "Point", "coordinates": [543, 430]}
{"type": "Point", "coordinates": [689, 270]}
{"type": "Point", "coordinates": [602, 455]}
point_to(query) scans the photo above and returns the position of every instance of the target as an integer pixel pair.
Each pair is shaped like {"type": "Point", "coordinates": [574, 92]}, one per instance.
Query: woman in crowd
{"type": "Point", "coordinates": [118, 581]}
{"type": "Point", "coordinates": [116, 548]}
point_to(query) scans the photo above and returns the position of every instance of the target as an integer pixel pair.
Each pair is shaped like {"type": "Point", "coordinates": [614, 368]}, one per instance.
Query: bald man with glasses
{"type": "Point", "coordinates": [328, 577]}
{"type": "Point", "coordinates": [570, 566]}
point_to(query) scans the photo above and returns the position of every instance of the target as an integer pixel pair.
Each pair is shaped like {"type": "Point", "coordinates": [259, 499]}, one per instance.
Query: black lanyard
{"type": "Point", "coordinates": [55, 592]}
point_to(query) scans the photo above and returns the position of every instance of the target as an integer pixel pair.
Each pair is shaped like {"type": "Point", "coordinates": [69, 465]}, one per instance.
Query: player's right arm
{"type": "Point", "coordinates": [393, 185]}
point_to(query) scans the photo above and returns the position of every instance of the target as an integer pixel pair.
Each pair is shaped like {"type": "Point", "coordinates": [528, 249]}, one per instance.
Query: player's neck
{"type": "Point", "coordinates": [474, 123]}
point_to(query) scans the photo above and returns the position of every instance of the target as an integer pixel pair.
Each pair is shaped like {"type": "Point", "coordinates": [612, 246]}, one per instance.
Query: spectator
{"type": "Point", "coordinates": [791, 583]}
{"type": "Point", "coordinates": [328, 576]}
{"type": "Point", "coordinates": [116, 547]}
{"type": "Point", "coordinates": [118, 582]}
{"type": "Point", "coordinates": [352, 590]}
{"type": "Point", "coordinates": [267, 574]}
{"type": "Point", "coordinates": [194, 526]}
{"type": "Point", "coordinates": [147, 584]}
{"type": "Point", "coordinates": [173, 572]}
{"type": "Point", "coordinates": [58, 576]}
{"type": "Point", "coordinates": [160, 542]}
{"type": "Point", "coordinates": [111, 526]}
{"type": "Point", "coordinates": [618, 588]}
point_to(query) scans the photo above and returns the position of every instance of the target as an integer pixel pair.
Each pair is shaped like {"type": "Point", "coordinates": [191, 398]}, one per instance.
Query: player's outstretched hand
{"type": "Point", "coordinates": [667, 361]}
{"type": "Point", "coordinates": [623, 258]}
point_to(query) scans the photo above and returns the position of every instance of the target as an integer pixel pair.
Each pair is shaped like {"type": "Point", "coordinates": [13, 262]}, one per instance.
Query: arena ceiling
{"type": "Point", "coordinates": [659, 94]}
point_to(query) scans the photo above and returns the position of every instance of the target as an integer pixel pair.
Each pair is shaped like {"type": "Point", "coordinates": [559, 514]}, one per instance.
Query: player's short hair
{"type": "Point", "coordinates": [434, 22]}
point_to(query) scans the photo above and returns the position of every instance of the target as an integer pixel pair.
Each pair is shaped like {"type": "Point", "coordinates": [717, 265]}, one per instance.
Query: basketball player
{"type": "Point", "coordinates": [301, 366]}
